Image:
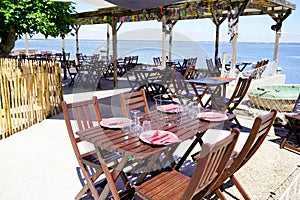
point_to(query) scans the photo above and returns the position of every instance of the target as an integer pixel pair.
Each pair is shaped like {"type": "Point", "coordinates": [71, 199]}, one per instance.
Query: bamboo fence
{"type": "Point", "coordinates": [31, 90]}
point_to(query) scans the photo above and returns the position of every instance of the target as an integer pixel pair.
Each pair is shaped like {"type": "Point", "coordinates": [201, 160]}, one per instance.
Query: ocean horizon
{"type": "Point", "coordinates": [288, 53]}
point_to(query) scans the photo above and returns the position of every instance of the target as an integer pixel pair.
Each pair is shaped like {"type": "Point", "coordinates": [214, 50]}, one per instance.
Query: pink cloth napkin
{"type": "Point", "coordinates": [169, 107]}
{"type": "Point", "coordinates": [111, 122]}
{"type": "Point", "coordinates": [213, 115]}
{"type": "Point", "coordinates": [160, 138]}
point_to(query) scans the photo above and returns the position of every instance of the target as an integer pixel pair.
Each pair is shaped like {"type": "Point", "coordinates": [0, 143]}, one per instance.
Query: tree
{"type": "Point", "coordinates": [17, 17]}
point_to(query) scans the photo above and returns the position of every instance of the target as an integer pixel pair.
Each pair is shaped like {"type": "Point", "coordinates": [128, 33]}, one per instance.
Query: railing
{"type": "Point", "coordinates": [31, 90]}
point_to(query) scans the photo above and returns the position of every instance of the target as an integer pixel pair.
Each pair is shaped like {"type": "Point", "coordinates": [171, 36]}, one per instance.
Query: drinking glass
{"type": "Point", "coordinates": [137, 128]}
{"type": "Point", "coordinates": [193, 109]}
{"type": "Point", "coordinates": [147, 125]}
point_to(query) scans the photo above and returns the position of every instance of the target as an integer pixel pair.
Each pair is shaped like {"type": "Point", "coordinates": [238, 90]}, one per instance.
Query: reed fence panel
{"type": "Point", "coordinates": [31, 90]}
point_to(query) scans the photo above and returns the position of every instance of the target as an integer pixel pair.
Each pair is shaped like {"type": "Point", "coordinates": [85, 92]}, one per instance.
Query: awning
{"type": "Point", "coordinates": [142, 4]}
{"type": "Point", "coordinates": [131, 4]}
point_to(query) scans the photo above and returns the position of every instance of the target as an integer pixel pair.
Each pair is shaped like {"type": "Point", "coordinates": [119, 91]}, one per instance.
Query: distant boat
{"type": "Point", "coordinates": [99, 49]}
{"type": "Point", "coordinates": [103, 49]}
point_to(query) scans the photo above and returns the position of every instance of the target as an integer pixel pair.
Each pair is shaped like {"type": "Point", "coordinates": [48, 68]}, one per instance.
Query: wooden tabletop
{"type": "Point", "coordinates": [128, 143]}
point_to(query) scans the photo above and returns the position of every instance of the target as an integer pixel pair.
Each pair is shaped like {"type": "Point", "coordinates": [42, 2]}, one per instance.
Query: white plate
{"type": "Point", "coordinates": [114, 122]}
{"type": "Point", "coordinates": [162, 139]}
{"type": "Point", "coordinates": [174, 108]}
{"type": "Point", "coordinates": [213, 116]}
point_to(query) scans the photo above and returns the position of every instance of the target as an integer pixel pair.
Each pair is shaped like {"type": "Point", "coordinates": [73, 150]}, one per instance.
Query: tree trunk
{"type": "Point", "coordinates": [7, 42]}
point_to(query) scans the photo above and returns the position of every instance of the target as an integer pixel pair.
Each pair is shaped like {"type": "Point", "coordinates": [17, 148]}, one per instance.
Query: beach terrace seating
{"type": "Point", "coordinates": [230, 104]}
{"type": "Point", "coordinates": [258, 70]}
{"type": "Point", "coordinates": [172, 184]}
{"type": "Point", "coordinates": [294, 127]}
{"type": "Point", "coordinates": [213, 69]}
{"type": "Point", "coordinates": [157, 61]}
{"type": "Point", "coordinates": [134, 100]}
{"type": "Point", "coordinates": [79, 116]}
{"type": "Point", "coordinates": [246, 147]}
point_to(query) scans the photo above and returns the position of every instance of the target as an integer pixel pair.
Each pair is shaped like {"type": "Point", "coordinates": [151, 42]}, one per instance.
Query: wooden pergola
{"type": "Point", "coordinates": [216, 10]}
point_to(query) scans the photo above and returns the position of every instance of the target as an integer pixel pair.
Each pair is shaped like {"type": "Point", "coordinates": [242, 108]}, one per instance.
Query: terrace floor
{"type": "Point", "coordinates": [39, 163]}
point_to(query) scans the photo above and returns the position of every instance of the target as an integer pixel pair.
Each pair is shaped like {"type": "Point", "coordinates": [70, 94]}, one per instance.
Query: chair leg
{"type": "Point", "coordinates": [89, 184]}
{"type": "Point", "coordinates": [239, 187]}
{"type": "Point", "coordinates": [220, 194]}
{"type": "Point", "coordinates": [238, 123]}
{"type": "Point", "coordinates": [285, 139]}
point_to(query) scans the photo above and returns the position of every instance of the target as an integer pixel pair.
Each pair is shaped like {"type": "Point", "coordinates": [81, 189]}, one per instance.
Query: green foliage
{"type": "Point", "coordinates": [50, 18]}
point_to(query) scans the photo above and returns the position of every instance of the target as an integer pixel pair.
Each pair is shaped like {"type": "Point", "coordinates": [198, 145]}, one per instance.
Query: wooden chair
{"type": "Point", "coordinates": [86, 115]}
{"type": "Point", "coordinates": [293, 125]}
{"type": "Point", "coordinates": [189, 72]}
{"type": "Point", "coordinates": [72, 69]}
{"type": "Point", "coordinates": [246, 147]}
{"type": "Point", "coordinates": [212, 69]}
{"type": "Point", "coordinates": [153, 89]}
{"type": "Point", "coordinates": [157, 61]}
{"type": "Point", "coordinates": [133, 100]}
{"type": "Point", "coordinates": [178, 86]}
{"type": "Point", "coordinates": [222, 103]}
{"type": "Point", "coordinates": [175, 185]}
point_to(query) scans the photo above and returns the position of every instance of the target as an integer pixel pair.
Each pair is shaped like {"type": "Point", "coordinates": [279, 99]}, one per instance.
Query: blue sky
{"type": "Point", "coordinates": [251, 28]}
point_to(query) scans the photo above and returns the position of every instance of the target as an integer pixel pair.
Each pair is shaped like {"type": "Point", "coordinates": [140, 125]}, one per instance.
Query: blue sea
{"type": "Point", "coordinates": [288, 53]}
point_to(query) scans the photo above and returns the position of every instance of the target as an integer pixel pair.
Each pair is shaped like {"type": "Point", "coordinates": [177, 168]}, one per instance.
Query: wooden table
{"type": "Point", "coordinates": [213, 83]}
{"type": "Point", "coordinates": [143, 76]}
{"type": "Point", "coordinates": [131, 148]}
{"type": "Point", "coordinates": [294, 122]}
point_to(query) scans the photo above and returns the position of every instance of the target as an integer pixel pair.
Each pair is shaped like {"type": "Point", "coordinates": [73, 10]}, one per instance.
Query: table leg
{"type": "Point", "coordinates": [110, 176]}
{"type": "Point", "coordinates": [187, 153]}
{"type": "Point", "coordinates": [148, 167]}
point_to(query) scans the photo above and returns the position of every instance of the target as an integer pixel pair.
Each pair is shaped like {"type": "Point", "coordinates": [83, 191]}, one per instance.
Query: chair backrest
{"type": "Point", "coordinates": [86, 115]}
{"type": "Point", "coordinates": [79, 57]}
{"type": "Point", "coordinates": [178, 84]}
{"type": "Point", "coordinates": [258, 133]}
{"type": "Point", "coordinates": [189, 72]}
{"type": "Point", "coordinates": [239, 92]}
{"type": "Point", "coordinates": [133, 100]}
{"type": "Point", "coordinates": [296, 108]}
{"type": "Point", "coordinates": [213, 70]}
{"type": "Point", "coordinates": [210, 165]}
{"type": "Point", "coordinates": [126, 60]}
{"type": "Point", "coordinates": [134, 59]}
{"type": "Point", "coordinates": [157, 61]}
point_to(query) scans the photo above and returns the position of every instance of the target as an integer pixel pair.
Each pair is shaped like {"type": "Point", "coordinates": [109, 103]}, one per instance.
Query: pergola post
{"type": "Point", "coordinates": [277, 27]}
{"type": "Point", "coordinates": [163, 49]}
{"type": "Point", "coordinates": [76, 38]}
{"type": "Point", "coordinates": [107, 42]}
{"type": "Point", "coordinates": [63, 48]}
{"type": "Point", "coordinates": [114, 40]}
{"type": "Point", "coordinates": [233, 20]}
{"type": "Point", "coordinates": [275, 57]}
{"type": "Point", "coordinates": [170, 25]}
{"type": "Point", "coordinates": [217, 21]}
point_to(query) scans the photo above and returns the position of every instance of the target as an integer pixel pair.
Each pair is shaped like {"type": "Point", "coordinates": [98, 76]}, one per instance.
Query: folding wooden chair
{"type": "Point", "coordinates": [189, 72]}
{"type": "Point", "coordinates": [175, 185]}
{"type": "Point", "coordinates": [179, 86]}
{"type": "Point", "coordinates": [86, 114]}
{"type": "Point", "coordinates": [212, 69]}
{"type": "Point", "coordinates": [157, 61]}
{"type": "Point", "coordinates": [246, 147]}
{"type": "Point", "coordinates": [72, 69]}
{"type": "Point", "coordinates": [223, 103]}
{"type": "Point", "coordinates": [294, 125]}
{"type": "Point", "coordinates": [133, 100]}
